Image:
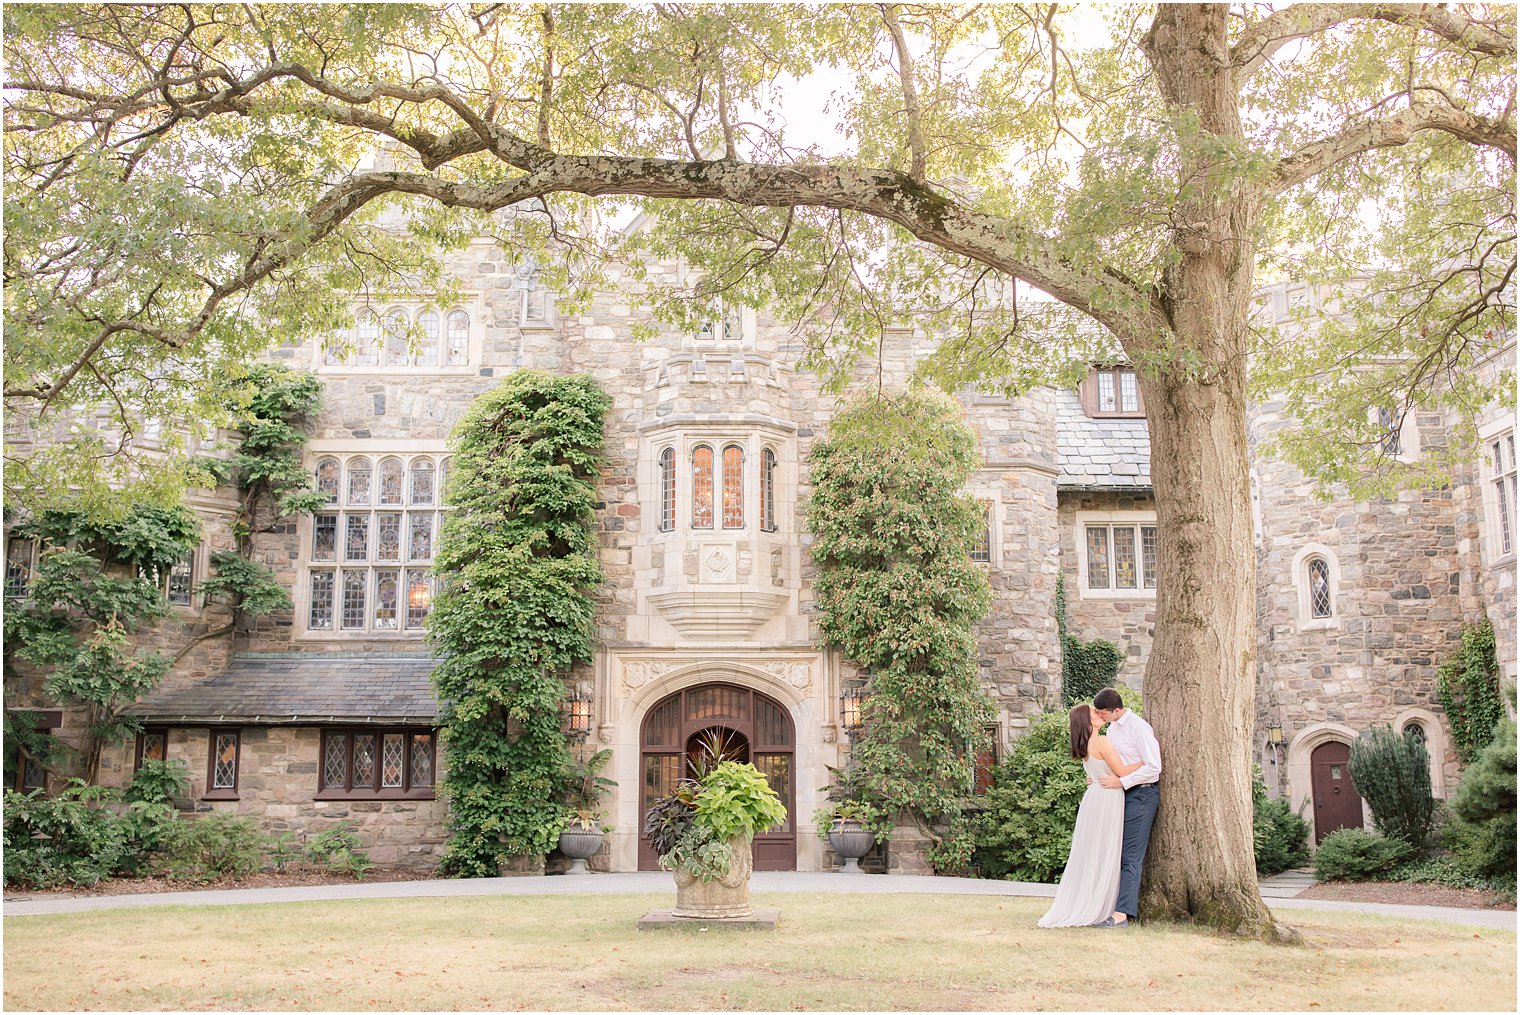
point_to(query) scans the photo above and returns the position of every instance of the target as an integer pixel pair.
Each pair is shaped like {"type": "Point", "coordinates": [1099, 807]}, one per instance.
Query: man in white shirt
{"type": "Point", "coordinates": [1133, 738]}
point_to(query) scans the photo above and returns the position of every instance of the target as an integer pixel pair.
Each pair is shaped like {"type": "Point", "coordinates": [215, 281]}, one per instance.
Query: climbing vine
{"type": "Point", "coordinates": [518, 557]}
{"type": "Point", "coordinates": [900, 596]}
{"type": "Point", "coordinates": [1467, 686]}
{"type": "Point", "coordinates": [1086, 666]}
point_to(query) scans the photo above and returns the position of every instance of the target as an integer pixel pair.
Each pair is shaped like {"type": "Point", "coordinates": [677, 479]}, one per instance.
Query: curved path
{"type": "Point", "coordinates": [658, 881]}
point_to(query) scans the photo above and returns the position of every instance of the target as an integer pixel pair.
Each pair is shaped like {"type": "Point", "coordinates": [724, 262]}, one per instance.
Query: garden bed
{"type": "Point", "coordinates": [1403, 893]}
{"type": "Point", "coordinates": [265, 879]}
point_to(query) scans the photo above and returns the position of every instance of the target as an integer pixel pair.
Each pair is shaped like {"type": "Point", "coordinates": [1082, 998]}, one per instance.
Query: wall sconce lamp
{"type": "Point", "coordinates": [575, 711]}
{"type": "Point", "coordinates": [849, 710]}
{"type": "Point", "coordinates": [1274, 734]}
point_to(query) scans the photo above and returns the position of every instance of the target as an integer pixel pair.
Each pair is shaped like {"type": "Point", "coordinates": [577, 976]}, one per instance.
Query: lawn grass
{"type": "Point", "coordinates": [830, 952]}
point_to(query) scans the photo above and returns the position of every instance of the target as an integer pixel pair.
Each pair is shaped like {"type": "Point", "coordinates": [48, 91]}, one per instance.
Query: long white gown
{"type": "Point", "coordinates": [1090, 884]}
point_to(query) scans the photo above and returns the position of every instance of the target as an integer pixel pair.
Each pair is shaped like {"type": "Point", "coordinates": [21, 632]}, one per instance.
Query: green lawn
{"type": "Point", "coordinates": [830, 952]}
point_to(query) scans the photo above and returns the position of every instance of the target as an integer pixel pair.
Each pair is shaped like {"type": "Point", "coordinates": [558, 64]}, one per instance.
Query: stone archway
{"type": "Point", "coordinates": [1301, 762]}
{"type": "Point", "coordinates": [756, 728]}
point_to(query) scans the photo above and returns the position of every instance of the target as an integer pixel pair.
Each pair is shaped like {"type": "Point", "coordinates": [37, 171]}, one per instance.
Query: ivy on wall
{"type": "Point", "coordinates": [1086, 666]}
{"type": "Point", "coordinates": [899, 595]}
{"type": "Point", "coordinates": [518, 561]}
{"type": "Point", "coordinates": [1467, 686]}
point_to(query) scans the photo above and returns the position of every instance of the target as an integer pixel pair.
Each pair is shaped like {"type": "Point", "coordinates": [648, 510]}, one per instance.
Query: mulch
{"type": "Point", "coordinates": [1403, 893]}
{"type": "Point", "coordinates": [268, 879]}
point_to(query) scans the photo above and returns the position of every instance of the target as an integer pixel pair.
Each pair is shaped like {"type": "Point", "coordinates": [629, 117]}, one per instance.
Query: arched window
{"type": "Point", "coordinates": [1321, 604]}
{"type": "Point", "coordinates": [768, 490]}
{"type": "Point", "coordinates": [358, 482]}
{"type": "Point", "coordinates": [395, 338]}
{"type": "Point", "coordinates": [334, 351]}
{"type": "Point", "coordinates": [667, 489]}
{"type": "Point", "coordinates": [1415, 731]}
{"type": "Point", "coordinates": [367, 340]}
{"type": "Point", "coordinates": [390, 481]}
{"type": "Point", "coordinates": [459, 338]}
{"type": "Point", "coordinates": [702, 487]}
{"type": "Point", "coordinates": [422, 481]}
{"type": "Point", "coordinates": [733, 487]}
{"type": "Point", "coordinates": [443, 478]}
{"type": "Point", "coordinates": [427, 351]}
{"type": "Point", "coordinates": [327, 479]}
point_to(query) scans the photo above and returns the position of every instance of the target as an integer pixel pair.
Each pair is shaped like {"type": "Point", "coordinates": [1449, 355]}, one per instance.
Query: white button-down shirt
{"type": "Point", "coordinates": [1133, 738]}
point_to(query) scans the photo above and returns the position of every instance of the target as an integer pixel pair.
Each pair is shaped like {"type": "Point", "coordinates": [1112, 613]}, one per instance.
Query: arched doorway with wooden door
{"type": "Point", "coordinates": [1337, 804]}
{"type": "Point", "coordinates": [750, 727]}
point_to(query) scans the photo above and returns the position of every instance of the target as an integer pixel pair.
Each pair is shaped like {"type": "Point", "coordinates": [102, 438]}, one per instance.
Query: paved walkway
{"type": "Point", "coordinates": [1287, 885]}
{"type": "Point", "coordinates": [658, 882]}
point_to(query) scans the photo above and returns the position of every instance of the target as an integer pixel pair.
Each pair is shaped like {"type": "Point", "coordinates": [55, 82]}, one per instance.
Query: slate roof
{"type": "Point", "coordinates": [1099, 454]}
{"type": "Point", "coordinates": [294, 687]}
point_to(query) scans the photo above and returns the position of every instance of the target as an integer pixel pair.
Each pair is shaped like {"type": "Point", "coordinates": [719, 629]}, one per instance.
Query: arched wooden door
{"type": "Point", "coordinates": [1336, 802]}
{"type": "Point", "coordinates": [757, 730]}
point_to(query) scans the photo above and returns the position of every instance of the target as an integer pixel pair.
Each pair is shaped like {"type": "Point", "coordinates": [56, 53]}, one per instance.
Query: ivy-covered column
{"type": "Point", "coordinates": [517, 563]}
{"type": "Point", "coordinates": [900, 596]}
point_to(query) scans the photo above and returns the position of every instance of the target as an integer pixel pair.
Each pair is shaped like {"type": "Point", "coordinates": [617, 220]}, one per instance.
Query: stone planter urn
{"type": "Point", "coordinates": [851, 842]}
{"type": "Point", "coordinates": [722, 898]}
{"type": "Point", "coordinates": [579, 845]}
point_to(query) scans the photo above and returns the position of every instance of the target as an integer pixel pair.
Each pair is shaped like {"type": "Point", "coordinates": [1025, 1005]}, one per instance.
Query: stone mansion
{"type": "Point", "coordinates": [325, 711]}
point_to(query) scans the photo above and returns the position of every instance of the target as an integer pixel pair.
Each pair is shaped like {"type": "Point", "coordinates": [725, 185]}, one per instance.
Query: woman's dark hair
{"type": "Point", "coordinates": [1081, 730]}
{"type": "Point", "coordinates": [1107, 699]}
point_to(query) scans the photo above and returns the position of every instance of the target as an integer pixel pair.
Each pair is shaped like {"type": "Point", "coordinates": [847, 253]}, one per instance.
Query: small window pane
{"type": "Point", "coordinates": [422, 760]}
{"type": "Point", "coordinates": [1097, 557]}
{"type": "Point", "coordinates": [1129, 392]}
{"type": "Point", "coordinates": [324, 537]}
{"type": "Point", "coordinates": [392, 760]}
{"type": "Point", "coordinates": [733, 487]}
{"type": "Point", "coordinates": [367, 340]}
{"type": "Point", "coordinates": [395, 338]}
{"type": "Point", "coordinates": [354, 583]}
{"type": "Point", "coordinates": [358, 482]}
{"type": "Point", "coordinates": [981, 543]}
{"type": "Point", "coordinates": [364, 761]}
{"type": "Point", "coordinates": [667, 490]}
{"type": "Point", "coordinates": [420, 544]}
{"type": "Point", "coordinates": [356, 540]}
{"type": "Point", "coordinates": [327, 479]}
{"type": "Point", "coordinates": [1106, 401]}
{"type": "Point", "coordinates": [335, 761]}
{"type": "Point", "coordinates": [33, 775]}
{"type": "Point", "coordinates": [390, 481]}
{"type": "Point", "coordinates": [1148, 554]}
{"type": "Point", "coordinates": [702, 488]}
{"type": "Point", "coordinates": [387, 591]}
{"type": "Point", "coordinates": [154, 747]}
{"type": "Point", "coordinates": [422, 481]}
{"type": "Point", "coordinates": [427, 352]}
{"type": "Point", "coordinates": [321, 601]}
{"type": "Point", "coordinates": [1319, 587]}
{"type": "Point", "coordinates": [180, 581]}
{"type": "Point", "coordinates": [1125, 576]}
{"type": "Point", "coordinates": [388, 536]}
{"type": "Point", "coordinates": [459, 338]}
{"type": "Point", "coordinates": [224, 771]}
{"type": "Point", "coordinates": [419, 597]}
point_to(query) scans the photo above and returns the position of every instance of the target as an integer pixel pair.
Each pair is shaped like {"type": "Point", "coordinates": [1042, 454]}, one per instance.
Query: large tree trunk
{"type": "Point", "coordinates": [1200, 681]}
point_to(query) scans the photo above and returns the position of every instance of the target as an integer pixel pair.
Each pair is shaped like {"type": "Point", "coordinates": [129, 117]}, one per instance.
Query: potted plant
{"type": "Point", "coordinates": [702, 833]}
{"type": "Point", "coordinates": [581, 838]}
{"type": "Point", "coordinates": [846, 825]}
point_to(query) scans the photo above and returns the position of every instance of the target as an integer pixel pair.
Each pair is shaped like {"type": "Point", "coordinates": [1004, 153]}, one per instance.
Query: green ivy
{"type": "Point", "coordinates": [899, 595]}
{"type": "Point", "coordinates": [518, 559]}
{"type": "Point", "coordinates": [1086, 666]}
{"type": "Point", "coordinates": [1467, 686]}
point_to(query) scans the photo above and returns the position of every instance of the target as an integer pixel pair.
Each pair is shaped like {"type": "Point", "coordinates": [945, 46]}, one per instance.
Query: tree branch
{"type": "Point", "coordinates": [1390, 132]}
{"type": "Point", "coordinates": [916, 146]}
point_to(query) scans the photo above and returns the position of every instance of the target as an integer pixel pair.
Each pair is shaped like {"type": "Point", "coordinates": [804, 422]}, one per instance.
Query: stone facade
{"type": "Point", "coordinates": [687, 606]}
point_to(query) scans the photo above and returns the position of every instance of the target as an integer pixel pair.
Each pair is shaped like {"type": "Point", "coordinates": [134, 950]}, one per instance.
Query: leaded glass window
{"type": "Point", "coordinates": [702, 487]}
{"type": "Point", "coordinates": [422, 481]}
{"type": "Point", "coordinates": [378, 763]}
{"type": "Point", "coordinates": [367, 340]}
{"type": "Point", "coordinates": [19, 557]}
{"type": "Point", "coordinates": [1320, 603]}
{"type": "Point", "coordinates": [152, 745]}
{"type": "Point", "coordinates": [324, 537]}
{"type": "Point", "coordinates": [1502, 474]}
{"type": "Point", "coordinates": [395, 338]}
{"type": "Point", "coordinates": [768, 490]}
{"type": "Point", "coordinates": [459, 338]}
{"type": "Point", "coordinates": [427, 351]}
{"type": "Point", "coordinates": [1129, 391]}
{"type": "Point", "coordinates": [356, 540]}
{"type": "Point", "coordinates": [1121, 557]}
{"type": "Point", "coordinates": [1388, 430]}
{"type": "Point", "coordinates": [1113, 391]}
{"type": "Point", "coordinates": [388, 340]}
{"type": "Point", "coordinates": [181, 579]}
{"type": "Point", "coordinates": [419, 597]}
{"type": "Point", "coordinates": [1148, 554]}
{"type": "Point", "coordinates": [1125, 565]}
{"type": "Point", "coordinates": [1106, 398]}
{"type": "Point", "coordinates": [224, 761]}
{"type": "Point", "coordinates": [420, 545]}
{"type": "Point", "coordinates": [733, 487]}
{"type": "Point", "coordinates": [321, 618]}
{"type": "Point", "coordinates": [1097, 557]}
{"type": "Point", "coordinates": [358, 481]}
{"type": "Point", "coordinates": [390, 481]}
{"type": "Point", "coordinates": [327, 479]}
{"type": "Point", "coordinates": [353, 599]}
{"type": "Point", "coordinates": [981, 543]}
{"type": "Point", "coordinates": [387, 592]}
{"type": "Point", "coordinates": [388, 535]}
{"type": "Point", "coordinates": [667, 489]}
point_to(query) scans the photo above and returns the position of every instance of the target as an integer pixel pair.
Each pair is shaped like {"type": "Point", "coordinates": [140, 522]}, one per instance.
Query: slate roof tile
{"type": "Point", "coordinates": [1096, 454]}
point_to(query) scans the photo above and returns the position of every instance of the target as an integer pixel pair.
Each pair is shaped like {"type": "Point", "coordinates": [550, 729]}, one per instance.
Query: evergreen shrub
{"type": "Point", "coordinates": [1483, 827]}
{"type": "Point", "coordinates": [1351, 854]}
{"type": "Point", "coordinates": [1392, 773]}
{"type": "Point", "coordinates": [1281, 835]}
{"type": "Point", "coordinates": [338, 849]}
{"type": "Point", "coordinates": [1023, 832]}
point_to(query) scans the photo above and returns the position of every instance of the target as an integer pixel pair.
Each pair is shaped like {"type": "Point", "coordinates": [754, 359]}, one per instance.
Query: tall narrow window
{"type": "Point", "coordinates": [324, 537]}
{"type": "Point", "coordinates": [1501, 464]}
{"type": "Point", "coordinates": [356, 540]}
{"type": "Point", "coordinates": [321, 600]}
{"type": "Point", "coordinates": [1125, 566]}
{"type": "Point", "coordinates": [224, 761]}
{"type": "Point", "coordinates": [327, 479]}
{"type": "Point", "coordinates": [1320, 603]}
{"type": "Point", "coordinates": [981, 543]}
{"type": "Point", "coordinates": [390, 481]}
{"type": "Point", "coordinates": [1388, 431]}
{"type": "Point", "coordinates": [1148, 554]}
{"type": "Point", "coordinates": [367, 340]}
{"type": "Point", "coordinates": [387, 593]}
{"type": "Point", "coordinates": [181, 579]}
{"type": "Point", "coordinates": [419, 597]}
{"type": "Point", "coordinates": [702, 487]}
{"type": "Point", "coordinates": [353, 599]}
{"type": "Point", "coordinates": [358, 481]}
{"type": "Point", "coordinates": [667, 489]}
{"type": "Point", "coordinates": [427, 351]}
{"type": "Point", "coordinates": [733, 487]}
{"type": "Point", "coordinates": [18, 567]}
{"type": "Point", "coordinates": [152, 745]}
{"type": "Point", "coordinates": [768, 490]}
{"type": "Point", "coordinates": [459, 338]}
{"type": "Point", "coordinates": [395, 338]}
{"type": "Point", "coordinates": [422, 481]}
{"type": "Point", "coordinates": [1097, 557]}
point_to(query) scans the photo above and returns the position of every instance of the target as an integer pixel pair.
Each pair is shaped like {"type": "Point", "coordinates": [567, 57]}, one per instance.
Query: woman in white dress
{"type": "Point", "coordinates": [1090, 884]}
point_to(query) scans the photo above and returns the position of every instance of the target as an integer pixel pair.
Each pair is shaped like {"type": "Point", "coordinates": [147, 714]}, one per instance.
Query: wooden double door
{"type": "Point", "coordinates": [751, 728]}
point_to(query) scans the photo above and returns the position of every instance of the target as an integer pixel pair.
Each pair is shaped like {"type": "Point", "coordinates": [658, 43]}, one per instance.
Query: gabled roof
{"type": "Point", "coordinates": [1100, 454]}
{"type": "Point", "coordinates": [303, 687]}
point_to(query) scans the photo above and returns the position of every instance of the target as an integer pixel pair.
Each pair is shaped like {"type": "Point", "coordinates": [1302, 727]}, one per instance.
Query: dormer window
{"type": "Point", "coordinates": [1114, 393]}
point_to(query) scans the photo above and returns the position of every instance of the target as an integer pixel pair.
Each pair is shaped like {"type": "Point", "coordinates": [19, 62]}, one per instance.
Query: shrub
{"type": "Point", "coordinates": [1024, 829]}
{"type": "Point", "coordinates": [1351, 854]}
{"type": "Point", "coordinates": [73, 838]}
{"type": "Point", "coordinates": [1449, 871]}
{"type": "Point", "coordinates": [1392, 773]}
{"type": "Point", "coordinates": [158, 782]}
{"type": "Point", "coordinates": [1482, 831]}
{"type": "Point", "coordinates": [338, 850]}
{"type": "Point", "coordinates": [1281, 835]}
{"type": "Point", "coordinates": [213, 846]}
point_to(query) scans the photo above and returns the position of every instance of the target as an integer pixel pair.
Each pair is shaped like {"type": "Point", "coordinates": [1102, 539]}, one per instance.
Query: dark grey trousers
{"type": "Point", "coordinates": [1140, 803]}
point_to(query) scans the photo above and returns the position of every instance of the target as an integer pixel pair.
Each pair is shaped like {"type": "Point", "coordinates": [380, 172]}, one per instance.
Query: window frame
{"type": "Point", "coordinates": [30, 566]}
{"type": "Point", "coordinates": [665, 463]}
{"type": "Point", "coordinates": [1500, 491]}
{"type": "Point", "coordinates": [768, 465]}
{"type": "Point", "coordinates": [985, 547]}
{"type": "Point", "coordinates": [1089, 393]}
{"type": "Point", "coordinates": [142, 737]}
{"type": "Point", "coordinates": [376, 792]}
{"type": "Point", "coordinates": [213, 791]}
{"type": "Point", "coordinates": [1138, 522]}
{"type": "Point", "coordinates": [1303, 593]}
{"type": "Point", "coordinates": [376, 316]}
